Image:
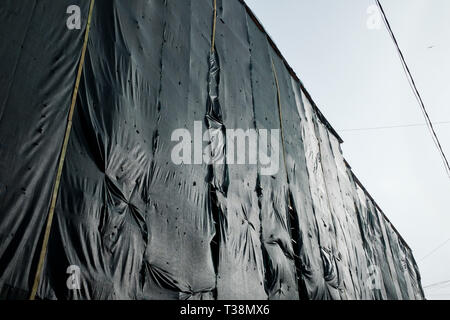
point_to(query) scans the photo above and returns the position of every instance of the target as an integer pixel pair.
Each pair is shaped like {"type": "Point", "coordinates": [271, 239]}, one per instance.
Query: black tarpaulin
{"type": "Point", "coordinates": [138, 225]}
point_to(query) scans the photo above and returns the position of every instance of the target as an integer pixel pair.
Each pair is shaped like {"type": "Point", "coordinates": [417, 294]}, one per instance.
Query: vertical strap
{"type": "Point", "coordinates": [213, 40]}
{"type": "Point", "coordinates": [62, 158]}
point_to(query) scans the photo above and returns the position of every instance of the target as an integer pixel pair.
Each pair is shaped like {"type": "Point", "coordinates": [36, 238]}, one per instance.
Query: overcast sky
{"type": "Point", "coordinates": [355, 76]}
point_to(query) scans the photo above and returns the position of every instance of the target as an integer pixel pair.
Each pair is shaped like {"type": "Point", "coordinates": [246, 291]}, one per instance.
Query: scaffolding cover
{"type": "Point", "coordinates": [132, 224]}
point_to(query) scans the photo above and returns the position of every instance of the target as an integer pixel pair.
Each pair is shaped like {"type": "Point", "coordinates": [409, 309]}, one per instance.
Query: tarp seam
{"type": "Point", "coordinates": [291, 211]}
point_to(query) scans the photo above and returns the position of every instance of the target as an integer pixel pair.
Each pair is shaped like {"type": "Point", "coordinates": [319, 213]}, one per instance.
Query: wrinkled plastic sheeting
{"type": "Point", "coordinates": [137, 225]}
{"type": "Point", "coordinates": [37, 75]}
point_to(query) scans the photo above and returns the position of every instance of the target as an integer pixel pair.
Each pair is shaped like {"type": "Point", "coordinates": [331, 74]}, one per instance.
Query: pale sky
{"type": "Point", "coordinates": [355, 76]}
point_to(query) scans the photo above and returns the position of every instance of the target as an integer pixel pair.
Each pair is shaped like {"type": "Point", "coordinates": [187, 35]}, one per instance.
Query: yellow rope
{"type": "Point", "coordinates": [213, 40]}
{"type": "Point", "coordinates": [61, 160]}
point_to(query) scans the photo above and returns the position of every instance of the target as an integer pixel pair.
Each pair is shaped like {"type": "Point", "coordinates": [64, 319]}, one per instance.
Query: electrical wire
{"type": "Point", "coordinates": [436, 284]}
{"type": "Point", "coordinates": [435, 249]}
{"type": "Point", "coordinates": [393, 127]}
{"type": "Point", "coordinates": [438, 288]}
{"type": "Point", "coordinates": [415, 90]}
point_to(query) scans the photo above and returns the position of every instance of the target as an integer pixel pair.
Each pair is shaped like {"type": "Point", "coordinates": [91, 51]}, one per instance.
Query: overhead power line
{"type": "Point", "coordinates": [394, 126]}
{"type": "Point", "coordinates": [436, 284]}
{"type": "Point", "coordinates": [435, 249]}
{"type": "Point", "coordinates": [415, 90]}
